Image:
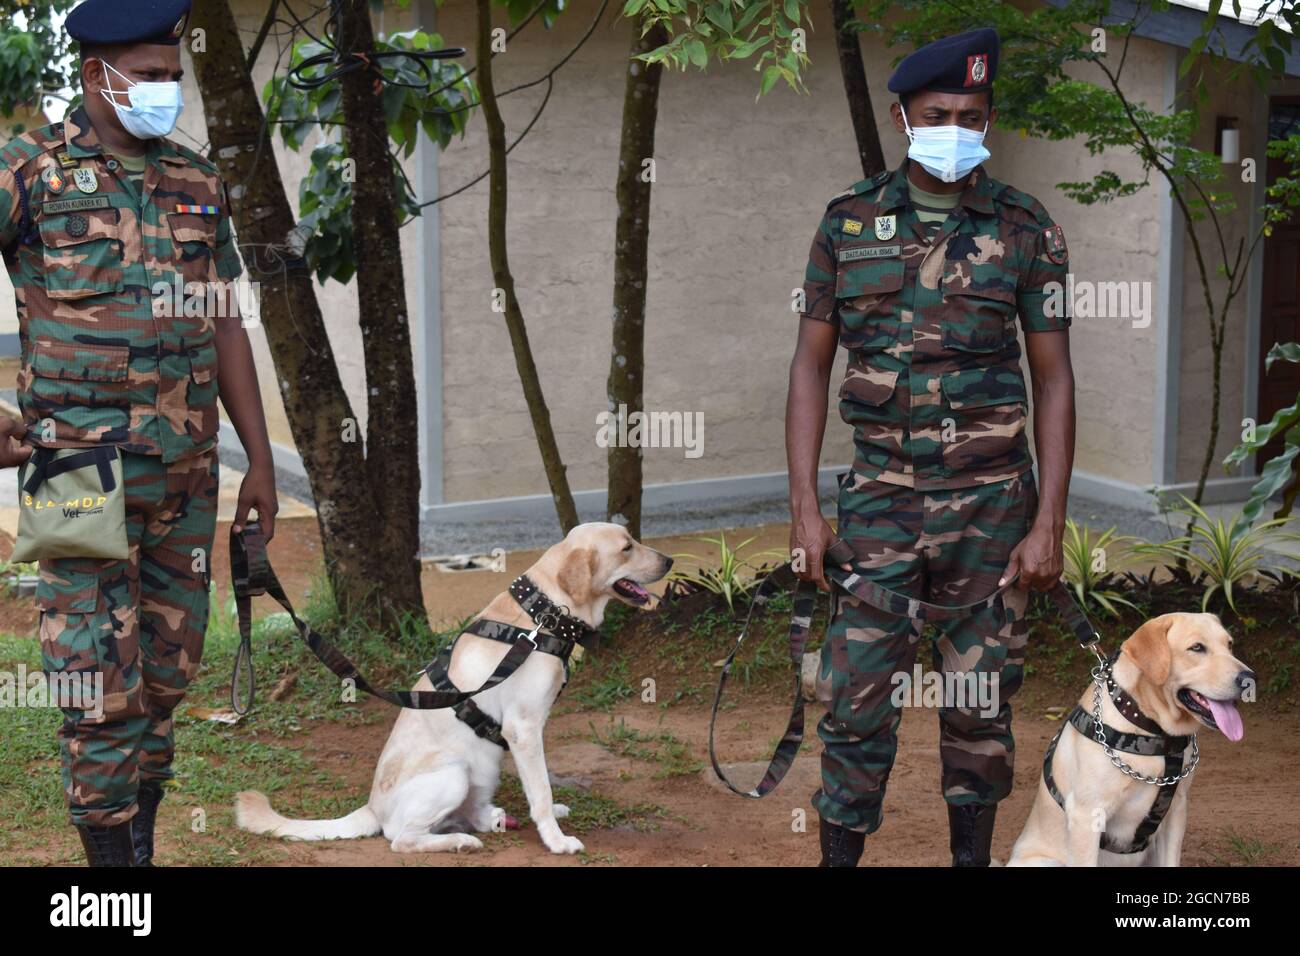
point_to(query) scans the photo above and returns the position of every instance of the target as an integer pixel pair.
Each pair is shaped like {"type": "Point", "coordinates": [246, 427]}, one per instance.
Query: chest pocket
{"type": "Point", "coordinates": [866, 298]}
{"type": "Point", "coordinates": [83, 254]}
{"type": "Point", "coordinates": [194, 242]}
{"type": "Point", "coordinates": [978, 319]}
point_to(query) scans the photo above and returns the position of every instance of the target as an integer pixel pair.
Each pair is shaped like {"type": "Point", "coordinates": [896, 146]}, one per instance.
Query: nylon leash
{"type": "Point", "coordinates": [251, 576]}
{"type": "Point", "coordinates": [881, 598]}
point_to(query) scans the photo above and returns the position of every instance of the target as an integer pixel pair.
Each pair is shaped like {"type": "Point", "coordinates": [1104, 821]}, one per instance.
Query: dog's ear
{"type": "Point", "coordinates": [1148, 648]}
{"type": "Point", "coordinates": [576, 574]}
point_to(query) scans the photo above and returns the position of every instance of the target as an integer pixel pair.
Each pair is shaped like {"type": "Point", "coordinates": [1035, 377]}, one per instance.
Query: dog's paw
{"type": "Point", "coordinates": [465, 841]}
{"type": "Point", "coordinates": [561, 810]}
{"type": "Point", "coordinates": [566, 844]}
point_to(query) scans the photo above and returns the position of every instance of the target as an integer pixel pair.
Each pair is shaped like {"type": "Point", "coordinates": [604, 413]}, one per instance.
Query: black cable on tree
{"type": "Point", "coordinates": [372, 61]}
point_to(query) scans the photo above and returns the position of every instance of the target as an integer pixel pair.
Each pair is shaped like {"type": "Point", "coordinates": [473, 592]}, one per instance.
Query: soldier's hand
{"type": "Point", "coordinates": [810, 536]}
{"type": "Point", "coordinates": [1037, 558]}
{"type": "Point", "coordinates": [13, 454]}
{"type": "Point", "coordinates": [257, 492]}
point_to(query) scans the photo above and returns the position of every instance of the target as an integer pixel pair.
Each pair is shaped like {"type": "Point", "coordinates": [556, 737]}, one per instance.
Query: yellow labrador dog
{"type": "Point", "coordinates": [436, 778]}
{"type": "Point", "coordinates": [1180, 671]}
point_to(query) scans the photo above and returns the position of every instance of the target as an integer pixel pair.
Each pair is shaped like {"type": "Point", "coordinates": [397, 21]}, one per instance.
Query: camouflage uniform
{"type": "Point", "coordinates": [103, 362]}
{"type": "Point", "coordinates": [941, 488]}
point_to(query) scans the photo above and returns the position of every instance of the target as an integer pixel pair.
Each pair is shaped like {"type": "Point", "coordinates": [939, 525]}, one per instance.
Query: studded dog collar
{"type": "Point", "coordinates": [1126, 705]}
{"type": "Point", "coordinates": [547, 615]}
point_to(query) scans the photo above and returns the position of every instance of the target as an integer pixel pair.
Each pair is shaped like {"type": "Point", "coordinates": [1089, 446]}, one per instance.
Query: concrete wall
{"type": "Point", "coordinates": [741, 186]}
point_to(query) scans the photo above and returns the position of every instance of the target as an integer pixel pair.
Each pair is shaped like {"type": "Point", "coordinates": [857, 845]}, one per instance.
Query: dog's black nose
{"type": "Point", "coordinates": [668, 564]}
{"type": "Point", "coordinates": [1246, 680]}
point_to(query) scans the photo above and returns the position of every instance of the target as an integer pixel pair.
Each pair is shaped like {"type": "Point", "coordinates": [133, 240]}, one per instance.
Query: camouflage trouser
{"type": "Point", "coordinates": [946, 547]}
{"type": "Point", "coordinates": [138, 622]}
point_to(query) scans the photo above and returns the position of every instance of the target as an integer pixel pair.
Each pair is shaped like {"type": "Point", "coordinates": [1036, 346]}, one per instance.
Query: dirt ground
{"type": "Point", "coordinates": [1245, 790]}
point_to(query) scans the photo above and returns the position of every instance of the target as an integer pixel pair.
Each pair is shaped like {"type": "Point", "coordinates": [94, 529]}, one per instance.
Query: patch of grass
{"type": "Point", "coordinates": [1240, 850]}
{"type": "Point", "coordinates": [588, 809]}
{"type": "Point", "coordinates": [607, 685]}
{"type": "Point", "coordinates": [672, 755]}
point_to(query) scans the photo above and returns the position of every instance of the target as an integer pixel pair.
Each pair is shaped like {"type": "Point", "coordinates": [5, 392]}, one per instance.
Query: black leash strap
{"type": "Point", "coordinates": [881, 598]}
{"type": "Point", "coordinates": [45, 466]}
{"type": "Point", "coordinates": [251, 576]}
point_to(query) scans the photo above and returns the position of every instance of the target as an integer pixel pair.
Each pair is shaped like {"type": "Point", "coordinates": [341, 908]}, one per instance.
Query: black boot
{"type": "Point", "coordinates": [970, 833]}
{"type": "Point", "coordinates": [108, 846]}
{"type": "Point", "coordinates": [151, 794]}
{"type": "Point", "coordinates": [840, 845]}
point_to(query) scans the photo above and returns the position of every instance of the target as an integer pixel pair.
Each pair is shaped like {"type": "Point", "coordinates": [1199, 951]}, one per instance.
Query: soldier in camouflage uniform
{"type": "Point", "coordinates": [920, 274]}
{"type": "Point", "coordinates": [99, 214]}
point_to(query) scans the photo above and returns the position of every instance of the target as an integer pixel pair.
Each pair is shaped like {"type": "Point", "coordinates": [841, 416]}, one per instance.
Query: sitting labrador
{"type": "Point", "coordinates": [1179, 671]}
{"type": "Point", "coordinates": [435, 780]}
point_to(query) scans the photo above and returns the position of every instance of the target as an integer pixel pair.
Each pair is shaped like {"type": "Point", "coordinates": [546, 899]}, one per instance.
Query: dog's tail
{"type": "Point", "coordinates": [253, 812]}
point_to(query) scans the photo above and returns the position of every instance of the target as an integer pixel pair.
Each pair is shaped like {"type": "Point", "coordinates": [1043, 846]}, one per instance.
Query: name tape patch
{"type": "Point", "coordinates": [76, 205]}
{"type": "Point", "coordinates": [870, 252]}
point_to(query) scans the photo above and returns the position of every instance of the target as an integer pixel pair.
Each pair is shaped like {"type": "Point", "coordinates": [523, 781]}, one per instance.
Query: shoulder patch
{"type": "Point", "coordinates": [1054, 244]}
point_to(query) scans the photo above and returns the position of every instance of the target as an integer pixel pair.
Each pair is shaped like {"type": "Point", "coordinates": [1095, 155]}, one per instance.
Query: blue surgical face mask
{"type": "Point", "coordinates": [946, 152]}
{"type": "Point", "coordinates": [154, 109]}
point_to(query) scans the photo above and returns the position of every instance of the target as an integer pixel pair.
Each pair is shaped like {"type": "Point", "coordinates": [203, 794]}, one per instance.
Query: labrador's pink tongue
{"type": "Point", "coordinates": [1227, 718]}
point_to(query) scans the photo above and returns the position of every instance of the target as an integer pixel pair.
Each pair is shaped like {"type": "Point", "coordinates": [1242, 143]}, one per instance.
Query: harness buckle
{"type": "Point", "coordinates": [531, 636]}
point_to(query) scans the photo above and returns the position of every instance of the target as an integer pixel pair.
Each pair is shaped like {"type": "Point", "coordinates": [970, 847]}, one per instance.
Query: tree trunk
{"type": "Point", "coordinates": [565, 509]}
{"type": "Point", "coordinates": [313, 394]}
{"type": "Point", "coordinates": [631, 250]}
{"type": "Point", "coordinates": [392, 439]}
{"type": "Point", "coordinates": [854, 72]}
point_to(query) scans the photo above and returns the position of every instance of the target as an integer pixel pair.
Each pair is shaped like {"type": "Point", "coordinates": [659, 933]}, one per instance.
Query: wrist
{"type": "Point", "coordinates": [1049, 522]}
{"type": "Point", "coordinates": [261, 461]}
{"type": "Point", "coordinates": [804, 500]}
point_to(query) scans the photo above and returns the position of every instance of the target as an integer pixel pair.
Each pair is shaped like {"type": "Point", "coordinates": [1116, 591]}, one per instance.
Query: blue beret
{"type": "Point", "coordinates": [965, 63]}
{"type": "Point", "coordinates": [104, 22]}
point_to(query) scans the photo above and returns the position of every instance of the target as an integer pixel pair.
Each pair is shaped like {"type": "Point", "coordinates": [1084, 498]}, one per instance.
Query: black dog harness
{"type": "Point", "coordinates": [555, 631]}
{"type": "Point", "coordinates": [1154, 743]}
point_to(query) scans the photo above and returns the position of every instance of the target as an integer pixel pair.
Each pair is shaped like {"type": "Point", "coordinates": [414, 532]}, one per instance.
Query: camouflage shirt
{"type": "Point", "coordinates": [933, 385]}
{"type": "Point", "coordinates": [104, 360]}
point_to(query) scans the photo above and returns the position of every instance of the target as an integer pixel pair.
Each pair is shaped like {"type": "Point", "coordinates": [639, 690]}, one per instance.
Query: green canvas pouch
{"type": "Point", "coordinates": [71, 504]}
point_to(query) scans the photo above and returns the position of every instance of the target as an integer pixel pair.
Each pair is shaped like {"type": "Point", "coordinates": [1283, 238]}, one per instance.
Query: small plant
{"type": "Point", "coordinates": [1224, 553]}
{"type": "Point", "coordinates": [1279, 476]}
{"type": "Point", "coordinates": [1090, 566]}
{"type": "Point", "coordinates": [727, 579]}
{"type": "Point", "coordinates": [672, 755]}
{"type": "Point", "coordinates": [1244, 850]}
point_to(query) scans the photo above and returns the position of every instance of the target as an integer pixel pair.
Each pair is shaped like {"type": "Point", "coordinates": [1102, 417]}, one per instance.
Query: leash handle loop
{"type": "Point", "coordinates": [882, 599]}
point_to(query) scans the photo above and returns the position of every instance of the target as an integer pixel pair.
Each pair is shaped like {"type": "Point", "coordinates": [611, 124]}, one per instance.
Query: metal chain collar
{"type": "Point", "coordinates": [1099, 675]}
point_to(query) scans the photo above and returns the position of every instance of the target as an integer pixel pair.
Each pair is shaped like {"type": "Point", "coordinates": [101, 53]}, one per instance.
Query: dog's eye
{"type": "Point", "coordinates": [628, 546]}
{"type": "Point", "coordinates": [1197, 648]}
